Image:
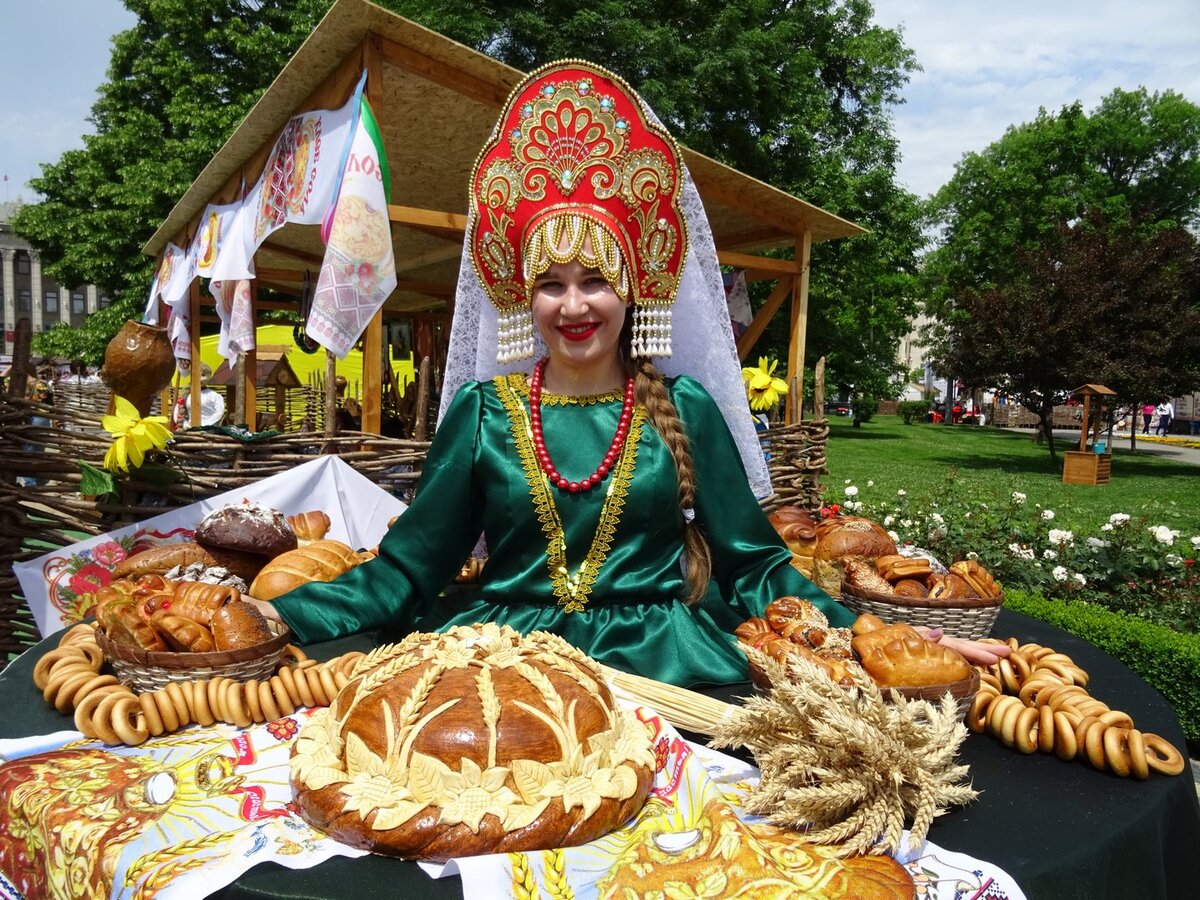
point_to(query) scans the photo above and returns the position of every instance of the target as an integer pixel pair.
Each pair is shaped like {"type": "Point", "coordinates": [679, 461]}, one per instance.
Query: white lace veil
{"type": "Point", "coordinates": [702, 339]}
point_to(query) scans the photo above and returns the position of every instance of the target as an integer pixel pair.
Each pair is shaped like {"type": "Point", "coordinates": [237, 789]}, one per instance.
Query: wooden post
{"type": "Point", "coordinates": [330, 396]}
{"type": "Point", "coordinates": [250, 367]}
{"type": "Point", "coordinates": [819, 389]}
{"type": "Point", "coordinates": [194, 339]}
{"type": "Point", "coordinates": [1083, 426]}
{"type": "Point", "coordinates": [799, 337]}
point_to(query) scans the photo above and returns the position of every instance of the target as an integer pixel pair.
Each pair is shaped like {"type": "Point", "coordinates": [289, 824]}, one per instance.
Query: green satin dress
{"type": "Point", "coordinates": [623, 606]}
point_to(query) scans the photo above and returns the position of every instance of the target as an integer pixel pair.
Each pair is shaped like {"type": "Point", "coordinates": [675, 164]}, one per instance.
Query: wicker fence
{"type": "Point", "coordinates": [41, 507]}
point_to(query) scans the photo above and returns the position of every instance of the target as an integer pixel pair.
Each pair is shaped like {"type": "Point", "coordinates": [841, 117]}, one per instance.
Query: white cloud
{"type": "Point", "coordinates": [989, 66]}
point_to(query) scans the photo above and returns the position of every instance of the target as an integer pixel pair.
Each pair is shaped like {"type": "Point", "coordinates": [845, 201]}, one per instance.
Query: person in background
{"type": "Point", "coordinates": [212, 404]}
{"type": "Point", "coordinates": [1166, 412]}
{"type": "Point", "coordinates": [1147, 415]}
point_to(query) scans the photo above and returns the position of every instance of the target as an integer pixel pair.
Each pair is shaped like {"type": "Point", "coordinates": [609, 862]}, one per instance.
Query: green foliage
{"type": "Point", "coordinates": [178, 83]}
{"type": "Point", "coordinates": [1095, 302]}
{"type": "Point", "coordinates": [88, 343]}
{"type": "Point", "coordinates": [95, 482]}
{"type": "Point", "coordinates": [1053, 233]}
{"type": "Point", "coordinates": [795, 94]}
{"type": "Point", "coordinates": [1166, 659]}
{"type": "Point", "coordinates": [912, 410]}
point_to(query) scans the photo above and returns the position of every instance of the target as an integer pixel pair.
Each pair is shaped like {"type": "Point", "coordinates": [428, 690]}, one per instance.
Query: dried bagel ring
{"type": "Point", "coordinates": [154, 721]}
{"type": "Point", "coordinates": [253, 704]}
{"type": "Point", "coordinates": [1161, 755]}
{"type": "Point", "coordinates": [1138, 764]}
{"type": "Point", "coordinates": [1065, 745]}
{"type": "Point", "coordinates": [128, 721]}
{"type": "Point", "coordinates": [1025, 736]}
{"type": "Point", "coordinates": [1116, 751]}
{"type": "Point", "coordinates": [266, 702]}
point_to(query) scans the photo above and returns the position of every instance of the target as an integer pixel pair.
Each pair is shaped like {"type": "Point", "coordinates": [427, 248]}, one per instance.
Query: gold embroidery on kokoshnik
{"type": "Point", "coordinates": [571, 591]}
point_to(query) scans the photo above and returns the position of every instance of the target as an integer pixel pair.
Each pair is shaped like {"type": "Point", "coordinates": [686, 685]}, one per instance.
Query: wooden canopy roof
{"type": "Point", "coordinates": [436, 101]}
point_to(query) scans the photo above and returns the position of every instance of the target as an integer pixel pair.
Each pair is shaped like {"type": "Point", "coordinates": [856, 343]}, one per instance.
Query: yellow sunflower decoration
{"type": "Point", "coordinates": [133, 436]}
{"type": "Point", "coordinates": [762, 387]}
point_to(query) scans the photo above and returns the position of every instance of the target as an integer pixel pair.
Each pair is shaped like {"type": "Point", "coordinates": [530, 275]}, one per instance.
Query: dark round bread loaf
{"type": "Point", "coordinates": [247, 528]}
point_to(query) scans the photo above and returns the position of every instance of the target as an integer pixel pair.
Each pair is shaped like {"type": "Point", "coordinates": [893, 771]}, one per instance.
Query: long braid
{"type": "Point", "coordinates": [651, 394]}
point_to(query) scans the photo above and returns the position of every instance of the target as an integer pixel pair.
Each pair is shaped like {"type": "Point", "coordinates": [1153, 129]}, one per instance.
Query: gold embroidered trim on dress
{"type": "Point", "coordinates": [571, 591]}
{"type": "Point", "coordinates": [520, 385]}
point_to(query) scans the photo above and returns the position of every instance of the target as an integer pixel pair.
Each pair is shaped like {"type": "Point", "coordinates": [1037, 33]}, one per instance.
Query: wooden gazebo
{"type": "Point", "coordinates": [436, 102]}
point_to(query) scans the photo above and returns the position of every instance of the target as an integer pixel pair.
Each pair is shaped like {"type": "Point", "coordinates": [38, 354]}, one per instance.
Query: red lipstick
{"type": "Point", "coordinates": [578, 331]}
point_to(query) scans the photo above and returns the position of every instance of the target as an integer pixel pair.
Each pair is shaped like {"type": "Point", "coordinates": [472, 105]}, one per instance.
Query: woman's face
{"type": "Point", "coordinates": [579, 316]}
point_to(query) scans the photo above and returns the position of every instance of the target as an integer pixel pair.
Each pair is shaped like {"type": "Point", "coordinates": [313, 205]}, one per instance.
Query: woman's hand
{"type": "Point", "coordinates": [976, 652]}
{"type": "Point", "coordinates": [267, 609]}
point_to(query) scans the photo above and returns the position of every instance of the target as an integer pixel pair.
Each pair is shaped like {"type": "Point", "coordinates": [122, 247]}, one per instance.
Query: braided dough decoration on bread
{"type": "Point", "coordinates": [319, 561]}
{"type": "Point", "coordinates": [896, 656]}
{"type": "Point", "coordinates": [473, 741]}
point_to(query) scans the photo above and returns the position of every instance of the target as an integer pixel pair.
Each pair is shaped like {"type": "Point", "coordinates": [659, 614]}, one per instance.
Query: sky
{"type": "Point", "coordinates": [986, 66]}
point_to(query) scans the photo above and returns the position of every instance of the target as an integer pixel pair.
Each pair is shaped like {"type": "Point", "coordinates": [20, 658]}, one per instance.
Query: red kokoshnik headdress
{"type": "Point", "coordinates": [575, 171]}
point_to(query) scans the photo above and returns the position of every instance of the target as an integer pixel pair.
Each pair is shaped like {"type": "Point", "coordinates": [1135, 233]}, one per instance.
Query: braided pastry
{"type": "Point", "coordinates": [69, 677]}
{"type": "Point", "coordinates": [1036, 700]}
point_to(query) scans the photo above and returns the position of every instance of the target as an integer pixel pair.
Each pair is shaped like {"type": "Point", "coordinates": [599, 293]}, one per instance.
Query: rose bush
{"type": "Point", "coordinates": [1131, 565]}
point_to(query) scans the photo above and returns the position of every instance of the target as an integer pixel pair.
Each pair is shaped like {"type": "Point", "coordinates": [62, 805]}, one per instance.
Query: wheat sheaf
{"type": "Point", "coordinates": [845, 765]}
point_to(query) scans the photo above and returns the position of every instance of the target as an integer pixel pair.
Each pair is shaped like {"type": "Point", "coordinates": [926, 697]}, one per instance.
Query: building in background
{"type": "Point", "coordinates": [25, 291]}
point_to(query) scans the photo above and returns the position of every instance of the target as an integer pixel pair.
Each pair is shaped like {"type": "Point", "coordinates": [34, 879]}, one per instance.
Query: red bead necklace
{"type": "Point", "coordinates": [539, 441]}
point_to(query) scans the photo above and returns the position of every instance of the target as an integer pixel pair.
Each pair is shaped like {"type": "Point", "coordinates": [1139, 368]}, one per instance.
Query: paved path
{"type": "Point", "coordinates": [1065, 439]}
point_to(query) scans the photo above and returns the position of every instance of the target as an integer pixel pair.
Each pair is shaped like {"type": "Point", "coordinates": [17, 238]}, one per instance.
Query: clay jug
{"type": "Point", "coordinates": [138, 364]}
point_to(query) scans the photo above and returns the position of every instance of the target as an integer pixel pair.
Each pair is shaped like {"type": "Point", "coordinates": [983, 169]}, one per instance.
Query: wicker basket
{"type": "Point", "coordinates": [962, 691]}
{"type": "Point", "coordinates": [970, 618]}
{"type": "Point", "coordinates": [151, 670]}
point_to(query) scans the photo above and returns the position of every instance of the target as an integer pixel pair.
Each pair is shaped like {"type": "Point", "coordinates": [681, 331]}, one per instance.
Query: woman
{"type": "Point", "coordinates": [615, 502]}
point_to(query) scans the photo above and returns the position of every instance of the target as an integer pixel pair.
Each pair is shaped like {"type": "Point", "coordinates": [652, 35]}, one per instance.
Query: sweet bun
{"type": "Point", "coordinates": [895, 567]}
{"type": "Point", "coordinates": [247, 528]}
{"type": "Point", "coordinates": [798, 530]}
{"type": "Point", "coordinates": [862, 575]}
{"type": "Point", "coordinates": [310, 526]}
{"type": "Point", "coordinates": [977, 577]}
{"type": "Point", "coordinates": [896, 656]}
{"type": "Point", "coordinates": [951, 587]}
{"type": "Point", "coordinates": [842, 536]}
{"type": "Point", "coordinates": [318, 561]}
{"type": "Point", "coordinates": [910, 587]}
{"type": "Point", "coordinates": [161, 559]}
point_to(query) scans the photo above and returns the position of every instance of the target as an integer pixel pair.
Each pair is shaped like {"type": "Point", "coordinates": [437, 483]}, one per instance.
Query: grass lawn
{"type": "Point", "coordinates": [988, 464]}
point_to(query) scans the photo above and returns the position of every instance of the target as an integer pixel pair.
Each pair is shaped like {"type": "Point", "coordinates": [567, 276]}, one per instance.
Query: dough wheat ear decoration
{"type": "Point", "coordinates": [845, 764]}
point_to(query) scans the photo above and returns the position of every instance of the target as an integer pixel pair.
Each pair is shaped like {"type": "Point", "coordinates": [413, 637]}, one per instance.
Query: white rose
{"type": "Point", "coordinates": [1047, 514]}
{"type": "Point", "coordinates": [870, 483]}
{"type": "Point", "coordinates": [902, 493]}
{"type": "Point", "coordinates": [848, 480]}
{"type": "Point", "coordinates": [1061, 536]}
{"type": "Point", "coordinates": [852, 491]}
{"type": "Point", "coordinates": [1118, 518]}
{"type": "Point", "coordinates": [906, 523]}
{"type": "Point", "coordinates": [1196, 541]}
{"type": "Point", "coordinates": [1163, 534]}
{"type": "Point", "coordinates": [1107, 526]}
{"type": "Point", "coordinates": [1049, 554]}
{"type": "Point", "coordinates": [1018, 497]}
{"type": "Point", "coordinates": [1060, 573]}
{"type": "Point", "coordinates": [1096, 543]}
{"type": "Point", "coordinates": [895, 537]}
{"type": "Point", "coordinates": [1174, 560]}
{"type": "Point", "coordinates": [888, 520]}
{"type": "Point", "coordinates": [937, 517]}
{"type": "Point", "coordinates": [1078, 576]}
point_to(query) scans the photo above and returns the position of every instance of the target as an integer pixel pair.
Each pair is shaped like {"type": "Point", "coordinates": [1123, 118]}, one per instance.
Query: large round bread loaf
{"type": "Point", "coordinates": [318, 561]}
{"type": "Point", "coordinates": [474, 741]}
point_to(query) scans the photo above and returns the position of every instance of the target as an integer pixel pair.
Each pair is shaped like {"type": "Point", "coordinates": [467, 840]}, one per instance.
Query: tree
{"type": "Point", "coordinates": [1100, 302]}
{"type": "Point", "coordinates": [178, 83]}
{"type": "Point", "coordinates": [796, 94]}
{"type": "Point", "coordinates": [1135, 158]}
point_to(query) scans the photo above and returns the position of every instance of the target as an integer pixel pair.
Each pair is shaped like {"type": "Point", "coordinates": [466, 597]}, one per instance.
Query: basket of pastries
{"type": "Point", "coordinates": [154, 631]}
{"type": "Point", "coordinates": [964, 601]}
{"type": "Point", "coordinates": [895, 657]}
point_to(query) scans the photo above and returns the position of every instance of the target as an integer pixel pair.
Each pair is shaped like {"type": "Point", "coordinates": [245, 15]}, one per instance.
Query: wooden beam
{"type": "Point", "coordinates": [746, 342]}
{"type": "Point", "coordinates": [429, 258]}
{"type": "Point", "coordinates": [267, 273]}
{"type": "Point", "coordinates": [443, 224]}
{"type": "Point", "coordinates": [799, 338]}
{"type": "Point", "coordinates": [298, 255]}
{"type": "Point", "coordinates": [438, 72]}
{"type": "Point", "coordinates": [758, 263]}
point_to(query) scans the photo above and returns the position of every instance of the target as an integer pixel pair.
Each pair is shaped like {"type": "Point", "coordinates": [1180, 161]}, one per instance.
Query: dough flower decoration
{"type": "Point", "coordinates": [134, 436]}
{"type": "Point", "coordinates": [763, 389]}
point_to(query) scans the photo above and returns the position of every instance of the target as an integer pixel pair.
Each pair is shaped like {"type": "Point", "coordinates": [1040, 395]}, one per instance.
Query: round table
{"type": "Point", "coordinates": [1062, 830]}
